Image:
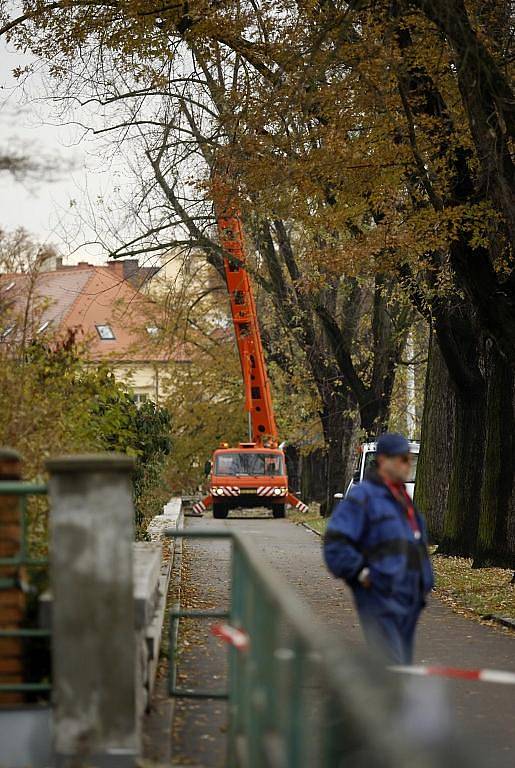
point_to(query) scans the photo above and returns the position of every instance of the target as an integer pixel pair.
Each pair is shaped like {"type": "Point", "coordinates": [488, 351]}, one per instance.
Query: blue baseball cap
{"type": "Point", "coordinates": [392, 444]}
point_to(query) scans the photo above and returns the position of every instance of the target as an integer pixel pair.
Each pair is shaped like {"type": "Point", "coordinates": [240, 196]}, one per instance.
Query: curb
{"type": "Point", "coordinates": [504, 621]}
{"type": "Point", "coordinates": [309, 528]}
{"type": "Point", "coordinates": [172, 517]}
{"type": "Point", "coordinates": [159, 719]}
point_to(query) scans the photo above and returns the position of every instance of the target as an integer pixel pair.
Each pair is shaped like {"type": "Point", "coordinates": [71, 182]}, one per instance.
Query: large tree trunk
{"type": "Point", "coordinates": [313, 476]}
{"type": "Point", "coordinates": [496, 533]}
{"type": "Point", "coordinates": [294, 467]}
{"type": "Point", "coordinates": [436, 443]}
{"type": "Point", "coordinates": [339, 425]}
{"type": "Point", "coordinates": [463, 505]}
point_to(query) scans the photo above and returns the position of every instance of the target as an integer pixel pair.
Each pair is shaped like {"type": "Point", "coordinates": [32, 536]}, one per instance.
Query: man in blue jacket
{"type": "Point", "coordinates": [376, 540]}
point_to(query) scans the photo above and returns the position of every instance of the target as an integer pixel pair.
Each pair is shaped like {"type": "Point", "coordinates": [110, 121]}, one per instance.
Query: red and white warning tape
{"type": "Point", "coordinates": [241, 641]}
{"type": "Point", "coordinates": [235, 637]}
{"type": "Point", "coordinates": [485, 675]}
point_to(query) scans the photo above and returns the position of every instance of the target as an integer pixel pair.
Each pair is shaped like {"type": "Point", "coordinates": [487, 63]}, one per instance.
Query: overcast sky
{"type": "Point", "coordinates": [48, 209]}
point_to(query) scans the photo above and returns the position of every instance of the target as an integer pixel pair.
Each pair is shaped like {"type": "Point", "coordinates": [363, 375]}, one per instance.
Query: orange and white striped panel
{"type": "Point", "coordinates": [225, 490]}
{"type": "Point", "coordinates": [297, 503]}
{"type": "Point", "coordinates": [270, 490]}
{"type": "Point", "coordinates": [199, 508]}
{"type": "Point", "coordinates": [265, 490]}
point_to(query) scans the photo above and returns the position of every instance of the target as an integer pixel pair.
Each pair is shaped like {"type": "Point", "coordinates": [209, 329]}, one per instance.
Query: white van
{"type": "Point", "coordinates": [367, 454]}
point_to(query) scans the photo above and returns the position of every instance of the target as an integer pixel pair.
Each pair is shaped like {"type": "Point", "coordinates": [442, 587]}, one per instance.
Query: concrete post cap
{"type": "Point", "coordinates": [9, 454]}
{"type": "Point", "coordinates": [91, 462]}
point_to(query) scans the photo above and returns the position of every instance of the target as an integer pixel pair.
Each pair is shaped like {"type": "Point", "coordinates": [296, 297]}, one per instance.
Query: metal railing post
{"type": "Point", "coordinates": [93, 647]}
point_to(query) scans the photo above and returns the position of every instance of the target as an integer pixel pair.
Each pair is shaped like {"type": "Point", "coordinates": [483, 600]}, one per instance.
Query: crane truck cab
{"type": "Point", "coordinates": [367, 454]}
{"type": "Point", "coordinates": [248, 476]}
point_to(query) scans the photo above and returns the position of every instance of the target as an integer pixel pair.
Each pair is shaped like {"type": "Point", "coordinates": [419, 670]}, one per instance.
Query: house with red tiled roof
{"type": "Point", "coordinates": [117, 323]}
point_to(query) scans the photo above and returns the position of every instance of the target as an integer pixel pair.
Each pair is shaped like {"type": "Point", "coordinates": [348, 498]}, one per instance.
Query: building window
{"type": "Point", "coordinates": [105, 332]}
{"type": "Point", "coordinates": [7, 332]}
{"type": "Point", "coordinates": [43, 326]}
{"type": "Point", "coordinates": [152, 330]}
{"type": "Point", "coordinates": [140, 398]}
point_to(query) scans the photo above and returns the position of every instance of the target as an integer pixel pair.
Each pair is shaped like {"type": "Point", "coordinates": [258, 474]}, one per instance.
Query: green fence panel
{"type": "Point", "coordinates": [298, 697]}
{"type": "Point", "coordinates": [23, 559]}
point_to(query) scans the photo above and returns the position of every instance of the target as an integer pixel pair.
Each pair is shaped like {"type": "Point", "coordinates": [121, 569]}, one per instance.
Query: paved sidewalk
{"type": "Point", "coordinates": [199, 726]}
{"type": "Point", "coordinates": [486, 710]}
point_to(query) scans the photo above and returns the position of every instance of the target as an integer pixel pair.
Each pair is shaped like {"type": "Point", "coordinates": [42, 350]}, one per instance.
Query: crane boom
{"type": "Point", "coordinates": [258, 398]}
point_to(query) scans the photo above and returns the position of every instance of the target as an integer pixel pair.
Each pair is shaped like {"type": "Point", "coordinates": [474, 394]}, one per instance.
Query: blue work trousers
{"type": "Point", "coordinates": [391, 635]}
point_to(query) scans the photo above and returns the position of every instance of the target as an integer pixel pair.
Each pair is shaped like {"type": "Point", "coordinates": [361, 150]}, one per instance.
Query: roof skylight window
{"type": "Point", "coordinates": [105, 332]}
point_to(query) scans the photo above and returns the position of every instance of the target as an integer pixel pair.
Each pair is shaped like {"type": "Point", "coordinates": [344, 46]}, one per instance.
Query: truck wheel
{"type": "Point", "coordinates": [220, 511]}
{"type": "Point", "coordinates": [278, 510]}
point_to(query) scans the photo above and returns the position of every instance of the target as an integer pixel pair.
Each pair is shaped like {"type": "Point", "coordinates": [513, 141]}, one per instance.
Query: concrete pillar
{"type": "Point", "coordinates": [93, 638]}
{"type": "Point", "coordinates": [12, 599]}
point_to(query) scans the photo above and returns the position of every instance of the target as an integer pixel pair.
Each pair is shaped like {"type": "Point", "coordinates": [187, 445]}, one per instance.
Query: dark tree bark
{"type": "Point", "coordinates": [294, 468]}
{"type": "Point", "coordinates": [436, 443]}
{"type": "Point", "coordinates": [496, 532]}
{"type": "Point", "coordinates": [463, 503]}
{"type": "Point", "coordinates": [460, 343]}
{"type": "Point", "coordinates": [339, 425]}
{"type": "Point", "coordinates": [313, 475]}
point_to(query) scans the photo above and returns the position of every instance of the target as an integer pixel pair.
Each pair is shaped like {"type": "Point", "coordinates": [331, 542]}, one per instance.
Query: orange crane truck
{"type": "Point", "coordinates": [253, 474]}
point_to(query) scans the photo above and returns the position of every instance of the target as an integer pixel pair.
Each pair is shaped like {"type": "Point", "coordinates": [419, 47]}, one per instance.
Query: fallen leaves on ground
{"type": "Point", "coordinates": [480, 591]}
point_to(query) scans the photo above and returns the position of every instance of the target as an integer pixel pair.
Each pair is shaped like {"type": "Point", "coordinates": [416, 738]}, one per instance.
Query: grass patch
{"type": "Point", "coordinates": [480, 591]}
{"type": "Point", "coordinates": [311, 518]}
{"type": "Point", "coordinates": [472, 591]}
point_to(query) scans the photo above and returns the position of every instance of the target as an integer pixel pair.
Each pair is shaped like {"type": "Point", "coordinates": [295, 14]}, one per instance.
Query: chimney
{"type": "Point", "coordinates": [116, 267]}
{"type": "Point", "coordinates": [130, 267]}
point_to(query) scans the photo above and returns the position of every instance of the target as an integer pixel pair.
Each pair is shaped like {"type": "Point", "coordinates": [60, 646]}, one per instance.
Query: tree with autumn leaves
{"type": "Point", "coordinates": [54, 400]}
{"type": "Point", "coordinates": [372, 144]}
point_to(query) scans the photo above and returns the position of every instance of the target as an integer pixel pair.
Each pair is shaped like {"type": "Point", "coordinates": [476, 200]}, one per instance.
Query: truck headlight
{"type": "Point", "coordinates": [278, 491]}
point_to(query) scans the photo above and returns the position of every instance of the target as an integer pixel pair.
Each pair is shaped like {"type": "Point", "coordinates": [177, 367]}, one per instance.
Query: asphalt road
{"type": "Point", "coordinates": [484, 712]}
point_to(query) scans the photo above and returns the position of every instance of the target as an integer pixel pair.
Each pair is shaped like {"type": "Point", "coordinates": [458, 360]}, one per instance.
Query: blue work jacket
{"type": "Point", "coordinates": [370, 528]}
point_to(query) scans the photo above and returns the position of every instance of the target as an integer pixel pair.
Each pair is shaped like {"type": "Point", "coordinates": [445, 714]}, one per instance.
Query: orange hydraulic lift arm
{"type": "Point", "coordinates": [258, 398]}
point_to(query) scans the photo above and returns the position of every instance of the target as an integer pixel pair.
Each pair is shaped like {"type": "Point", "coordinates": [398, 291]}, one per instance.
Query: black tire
{"type": "Point", "coordinates": [279, 510]}
{"type": "Point", "coordinates": [220, 511]}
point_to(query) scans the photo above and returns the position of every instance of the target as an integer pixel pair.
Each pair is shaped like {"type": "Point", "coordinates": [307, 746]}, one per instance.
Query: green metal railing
{"type": "Point", "coordinates": [22, 490]}
{"type": "Point", "coordinates": [299, 697]}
